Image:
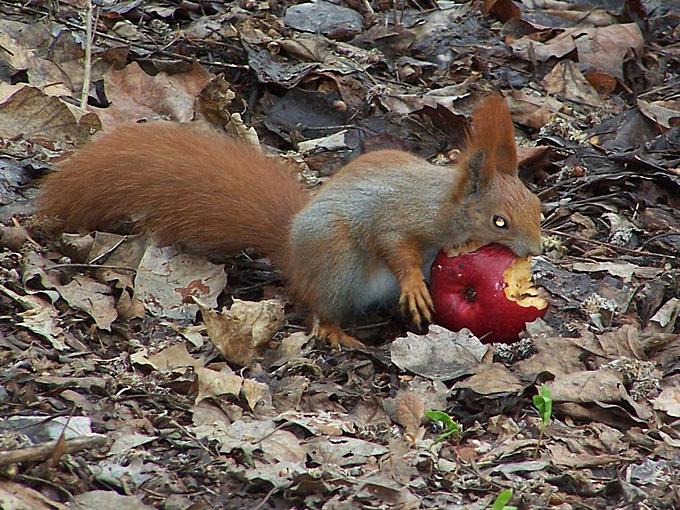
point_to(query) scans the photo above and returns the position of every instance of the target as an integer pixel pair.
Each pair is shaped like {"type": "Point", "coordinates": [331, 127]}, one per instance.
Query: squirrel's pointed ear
{"type": "Point", "coordinates": [479, 168]}
{"type": "Point", "coordinates": [494, 135]}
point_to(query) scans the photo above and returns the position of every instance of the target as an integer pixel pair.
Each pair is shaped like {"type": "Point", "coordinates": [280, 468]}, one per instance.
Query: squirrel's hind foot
{"type": "Point", "coordinates": [335, 336]}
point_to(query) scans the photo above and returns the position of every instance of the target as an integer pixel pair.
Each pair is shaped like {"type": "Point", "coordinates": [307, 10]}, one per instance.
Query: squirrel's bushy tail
{"type": "Point", "coordinates": [185, 184]}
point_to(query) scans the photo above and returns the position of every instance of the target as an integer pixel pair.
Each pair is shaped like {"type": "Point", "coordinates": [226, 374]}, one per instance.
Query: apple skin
{"type": "Point", "coordinates": [469, 291]}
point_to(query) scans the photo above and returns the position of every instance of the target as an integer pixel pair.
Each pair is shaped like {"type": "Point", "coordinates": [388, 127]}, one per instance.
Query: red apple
{"type": "Point", "coordinates": [489, 291]}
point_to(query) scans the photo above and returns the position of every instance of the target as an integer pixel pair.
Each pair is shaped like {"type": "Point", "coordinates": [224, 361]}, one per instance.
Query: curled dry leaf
{"type": "Point", "coordinates": [668, 401]}
{"type": "Point", "coordinates": [42, 320]}
{"type": "Point", "coordinates": [241, 333]}
{"type": "Point", "coordinates": [256, 393]}
{"type": "Point", "coordinates": [665, 113]}
{"type": "Point", "coordinates": [502, 9]}
{"type": "Point", "coordinates": [129, 307]}
{"type": "Point", "coordinates": [567, 80]}
{"type": "Point", "coordinates": [214, 384]}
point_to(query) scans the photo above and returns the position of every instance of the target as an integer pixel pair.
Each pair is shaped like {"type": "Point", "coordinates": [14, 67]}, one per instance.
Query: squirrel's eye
{"type": "Point", "coordinates": [500, 222]}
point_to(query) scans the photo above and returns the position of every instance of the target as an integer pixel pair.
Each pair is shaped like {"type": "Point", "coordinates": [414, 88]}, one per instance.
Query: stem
{"type": "Point", "coordinates": [538, 444]}
{"type": "Point", "coordinates": [87, 60]}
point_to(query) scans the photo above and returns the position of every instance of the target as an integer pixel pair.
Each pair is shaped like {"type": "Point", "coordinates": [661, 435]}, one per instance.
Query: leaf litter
{"type": "Point", "coordinates": [106, 338]}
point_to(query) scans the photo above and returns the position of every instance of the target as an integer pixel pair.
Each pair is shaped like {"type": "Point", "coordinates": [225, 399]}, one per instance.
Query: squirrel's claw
{"type": "Point", "coordinates": [335, 336]}
{"type": "Point", "coordinates": [415, 301]}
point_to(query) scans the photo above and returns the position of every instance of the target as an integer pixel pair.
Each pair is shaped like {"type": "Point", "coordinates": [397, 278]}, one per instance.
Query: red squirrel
{"type": "Point", "coordinates": [368, 236]}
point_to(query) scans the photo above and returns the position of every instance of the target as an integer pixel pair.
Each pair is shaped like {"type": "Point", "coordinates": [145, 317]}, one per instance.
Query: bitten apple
{"type": "Point", "coordinates": [489, 291]}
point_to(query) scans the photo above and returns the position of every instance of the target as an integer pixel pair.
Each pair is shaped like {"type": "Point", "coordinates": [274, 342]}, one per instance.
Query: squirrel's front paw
{"type": "Point", "coordinates": [415, 300]}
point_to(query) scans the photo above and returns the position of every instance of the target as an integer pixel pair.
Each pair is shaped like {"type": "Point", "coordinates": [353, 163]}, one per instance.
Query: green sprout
{"type": "Point", "coordinates": [503, 497]}
{"type": "Point", "coordinates": [543, 403]}
{"type": "Point", "coordinates": [451, 426]}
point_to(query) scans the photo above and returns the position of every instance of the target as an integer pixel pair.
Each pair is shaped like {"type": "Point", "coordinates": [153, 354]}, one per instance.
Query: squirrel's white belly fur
{"type": "Point", "coordinates": [381, 287]}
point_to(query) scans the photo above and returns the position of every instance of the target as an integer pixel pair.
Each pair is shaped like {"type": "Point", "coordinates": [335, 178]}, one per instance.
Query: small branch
{"type": "Point", "coordinates": [45, 450]}
{"type": "Point", "coordinates": [91, 266]}
{"type": "Point", "coordinates": [638, 253]}
{"type": "Point", "coordinates": [87, 60]}
{"type": "Point", "coordinates": [109, 251]}
{"type": "Point", "coordinates": [133, 44]}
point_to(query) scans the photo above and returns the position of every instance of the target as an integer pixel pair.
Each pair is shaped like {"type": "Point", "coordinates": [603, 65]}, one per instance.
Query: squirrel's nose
{"type": "Point", "coordinates": [535, 248]}
{"type": "Point", "coordinates": [525, 249]}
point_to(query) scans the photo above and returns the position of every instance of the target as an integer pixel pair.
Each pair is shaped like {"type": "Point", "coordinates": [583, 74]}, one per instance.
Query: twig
{"type": "Point", "coordinates": [659, 236]}
{"type": "Point", "coordinates": [56, 486]}
{"type": "Point", "coordinates": [91, 266]}
{"type": "Point", "coordinates": [87, 60]}
{"type": "Point", "coordinates": [179, 56]}
{"type": "Point", "coordinates": [366, 4]}
{"type": "Point", "coordinates": [271, 492]}
{"type": "Point", "coordinates": [45, 450]}
{"type": "Point", "coordinates": [639, 253]}
{"type": "Point", "coordinates": [109, 251]}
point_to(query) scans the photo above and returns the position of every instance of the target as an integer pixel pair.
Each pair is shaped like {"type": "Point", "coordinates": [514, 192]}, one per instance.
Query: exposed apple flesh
{"type": "Point", "coordinates": [489, 291]}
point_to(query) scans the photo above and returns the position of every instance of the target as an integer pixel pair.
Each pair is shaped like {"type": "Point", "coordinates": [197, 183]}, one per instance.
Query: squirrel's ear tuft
{"type": "Point", "coordinates": [494, 135]}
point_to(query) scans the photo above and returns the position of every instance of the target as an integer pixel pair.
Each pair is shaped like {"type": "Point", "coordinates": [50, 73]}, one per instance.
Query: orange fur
{"type": "Point", "coordinates": [186, 184]}
{"type": "Point", "coordinates": [494, 135]}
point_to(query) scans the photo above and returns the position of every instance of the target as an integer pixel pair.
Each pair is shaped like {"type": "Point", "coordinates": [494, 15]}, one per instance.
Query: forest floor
{"type": "Point", "coordinates": [115, 393]}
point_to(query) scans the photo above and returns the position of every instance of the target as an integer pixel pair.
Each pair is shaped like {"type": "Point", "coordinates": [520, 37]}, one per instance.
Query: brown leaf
{"type": "Point", "coordinates": [502, 9]}
{"type": "Point", "coordinates": [566, 80]}
{"type": "Point", "coordinates": [29, 113]}
{"type": "Point", "coordinates": [242, 332]}
{"type": "Point", "coordinates": [492, 380]}
{"type": "Point", "coordinates": [410, 409]}
{"type": "Point", "coordinates": [440, 354]}
{"type": "Point", "coordinates": [665, 113]}
{"type": "Point", "coordinates": [668, 401]}
{"type": "Point", "coordinates": [532, 110]}
{"type": "Point", "coordinates": [214, 384]}
{"type": "Point", "coordinates": [135, 95]}
{"type": "Point", "coordinates": [603, 82]}
{"type": "Point", "coordinates": [603, 385]}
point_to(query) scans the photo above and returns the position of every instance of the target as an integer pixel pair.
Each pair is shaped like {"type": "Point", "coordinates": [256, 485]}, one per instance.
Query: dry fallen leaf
{"type": "Point", "coordinates": [567, 80]}
{"type": "Point", "coordinates": [214, 384]}
{"type": "Point", "coordinates": [167, 279]}
{"type": "Point", "coordinates": [174, 357]}
{"type": "Point", "coordinates": [242, 332]}
{"type": "Point", "coordinates": [410, 409]}
{"type": "Point", "coordinates": [256, 393]}
{"type": "Point", "coordinates": [604, 385]}
{"type": "Point", "coordinates": [664, 113]}
{"type": "Point", "coordinates": [108, 500]}
{"type": "Point", "coordinates": [135, 95]}
{"type": "Point", "coordinates": [16, 496]}
{"type": "Point", "coordinates": [31, 114]}
{"type": "Point", "coordinates": [440, 354]}
{"type": "Point", "coordinates": [93, 298]}
{"type": "Point", "coordinates": [602, 48]}
{"type": "Point", "coordinates": [668, 401]}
